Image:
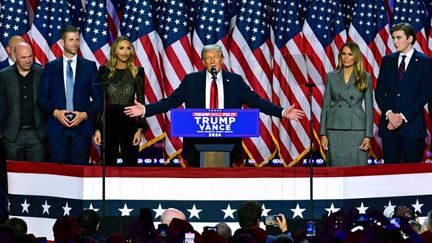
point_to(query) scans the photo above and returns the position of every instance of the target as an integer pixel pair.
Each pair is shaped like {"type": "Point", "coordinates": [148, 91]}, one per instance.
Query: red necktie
{"type": "Point", "coordinates": [213, 95]}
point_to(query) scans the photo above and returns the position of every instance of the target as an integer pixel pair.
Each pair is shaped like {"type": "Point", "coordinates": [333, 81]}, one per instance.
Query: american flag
{"type": "Point", "coordinates": [138, 23]}
{"type": "Point", "coordinates": [51, 17]}
{"type": "Point", "coordinates": [250, 56]}
{"type": "Point", "coordinates": [212, 25]}
{"type": "Point", "coordinates": [370, 29]}
{"type": "Point", "coordinates": [324, 32]}
{"type": "Point", "coordinates": [176, 59]}
{"type": "Point", "coordinates": [413, 12]}
{"type": "Point", "coordinates": [13, 21]}
{"type": "Point", "coordinates": [40, 193]}
{"type": "Point", "coordinates": [115, 13]}
{"type": "Point", "coordinates": [289, 77]}
{"type": "Point", "coordinates": [95, 35]}
{"type": "Point", "coordinates": [77, 12]}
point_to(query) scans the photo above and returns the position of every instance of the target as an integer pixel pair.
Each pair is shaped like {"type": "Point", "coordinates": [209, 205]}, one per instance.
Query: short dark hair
{"type": "Point", "coordinates": [249, 214]}
{"type": "Point", "coordinates": [18, 225]}
{"type": "Point", "coordinates": [407, 29]}
{"type": "Point", "coordinates": [88, 220]}
{"type": "Point", "coordinates": [68, 29]}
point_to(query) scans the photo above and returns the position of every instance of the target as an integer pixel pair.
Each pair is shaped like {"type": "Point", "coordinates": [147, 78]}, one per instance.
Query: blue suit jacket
{"type": "Point", "coordinates": [87, 94]}
{"type": "Point", "coordinates": [191, 92]}
{"type": "Point", "coordinates": [407, 96]}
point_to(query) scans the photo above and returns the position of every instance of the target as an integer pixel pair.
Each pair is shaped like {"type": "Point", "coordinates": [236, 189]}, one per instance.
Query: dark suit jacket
{"type": "Point", "coordinates": [407, 96]}
{"type": "Point", "coordinates": [191, 92]}
{"type": "Point", "coordinates": [10, 103]}
{"type": "Point", "coordinates": [87, 94]}
{"type": "Point", "coordinates": [4, 64]}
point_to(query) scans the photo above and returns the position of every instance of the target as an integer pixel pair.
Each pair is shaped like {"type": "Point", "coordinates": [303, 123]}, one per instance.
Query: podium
{"type": "Point", "coordinates": [214, 155]}
{"type": "Point", "coordinates": [214, 124]}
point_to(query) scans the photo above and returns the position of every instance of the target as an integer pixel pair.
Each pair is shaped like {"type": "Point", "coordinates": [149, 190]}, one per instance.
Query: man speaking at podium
{"type": "Point", "coordinates": [212, 88]}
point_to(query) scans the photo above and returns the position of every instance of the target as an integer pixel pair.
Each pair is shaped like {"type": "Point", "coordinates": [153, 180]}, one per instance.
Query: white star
{"type": "Point", "coordinates": [92, 208]}
{"type": "Point", "coordinates": [228, 212]}
{"type": "Point", "coordinates": [194, 212]}
{"type": "Point", "coordinates": [125, 211]}
{"type": "Point", "coordinates": [159, 211]}
{"type": "Point", "coordinates": [46, 207]}
{"type": "Point", "coordinates": [66, 209]}
{"type": "Point", "coordinates": [362, 209]}
{"type": "Point", "coordinates": [332, 209]}
{"type": "Point", "coordinates": [264, 211]}
{"type": "Point", "coordinates": [417, 206]}
{"type": "Point", "coordinates": [25, 206]}
{"type": "Point", "coordinates": [298, 211]}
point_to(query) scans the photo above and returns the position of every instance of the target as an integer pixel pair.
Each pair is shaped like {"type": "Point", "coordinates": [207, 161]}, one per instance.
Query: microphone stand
{"type": "Point", "coordinates": [310, 160]}
{"type": "Point", "coordinates": [103, 133]}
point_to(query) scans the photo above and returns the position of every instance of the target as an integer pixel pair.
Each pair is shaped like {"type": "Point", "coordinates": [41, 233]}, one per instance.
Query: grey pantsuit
{"type": "Point", "coordinates": [346, 119]}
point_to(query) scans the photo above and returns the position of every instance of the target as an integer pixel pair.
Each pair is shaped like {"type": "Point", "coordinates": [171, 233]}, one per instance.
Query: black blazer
{"type": "Point", "coordinates": [10, 103]}
{"type": "Point", "coordinates": [191, 92]}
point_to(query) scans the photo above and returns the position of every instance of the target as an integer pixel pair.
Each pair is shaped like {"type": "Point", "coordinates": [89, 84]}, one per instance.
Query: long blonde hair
{"type": "Point", "coordinates": [360, 82]}
{"type": "Point", "coordinates": [113, 58]}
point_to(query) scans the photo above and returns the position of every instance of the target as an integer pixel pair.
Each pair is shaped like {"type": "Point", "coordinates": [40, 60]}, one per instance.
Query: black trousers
{"type": "Point", "coordinates": [119, 134]}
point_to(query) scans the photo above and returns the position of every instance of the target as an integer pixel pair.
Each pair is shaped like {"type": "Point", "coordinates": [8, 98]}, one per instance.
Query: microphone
{"type": "Point", "coordinates": [213, 72]}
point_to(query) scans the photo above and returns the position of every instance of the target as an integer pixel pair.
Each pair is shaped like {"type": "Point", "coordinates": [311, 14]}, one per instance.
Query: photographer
{"type": "Point", "coordinates": [249, 215]}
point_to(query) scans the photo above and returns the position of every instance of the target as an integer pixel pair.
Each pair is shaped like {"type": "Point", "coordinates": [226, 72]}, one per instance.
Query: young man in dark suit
{"type": "Point", "coordinates": [70, 94]}
{"type": "Point", "coordinates": [195, 92]}
{"type": "Point", "coordinates": [404, 87]}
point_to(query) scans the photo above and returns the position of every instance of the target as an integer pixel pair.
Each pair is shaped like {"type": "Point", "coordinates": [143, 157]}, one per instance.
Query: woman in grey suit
{"type": "Point", "coordinates": [346, 116]}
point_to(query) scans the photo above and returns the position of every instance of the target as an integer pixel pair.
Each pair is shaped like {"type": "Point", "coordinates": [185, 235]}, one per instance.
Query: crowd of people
{"type": "Point", "coordinates": [341, 226]}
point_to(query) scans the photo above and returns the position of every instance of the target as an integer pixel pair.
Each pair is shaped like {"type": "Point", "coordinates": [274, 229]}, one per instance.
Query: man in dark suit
{"type": "Point", "coordinates": [70, 94]}
{"type": "Point", "coordinates": [23, 122]}
{"type": "Point", "coordinates": [195, 92]}
{"type": "Point", "coordinates": [12, 42]}
{"type": "Point", "coordinates": [404, 87]}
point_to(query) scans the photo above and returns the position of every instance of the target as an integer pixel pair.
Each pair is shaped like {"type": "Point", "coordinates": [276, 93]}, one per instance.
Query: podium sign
{"type": "Point", "coordinates": [217, 123]}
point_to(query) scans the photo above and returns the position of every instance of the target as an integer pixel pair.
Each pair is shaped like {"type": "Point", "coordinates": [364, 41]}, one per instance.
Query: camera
{"type": "Point", "coordinates": [271, 220]}
{"type": "Point", "coordinates": [210, 228]}
{"type": "Point", "coordinates": [310, 228]}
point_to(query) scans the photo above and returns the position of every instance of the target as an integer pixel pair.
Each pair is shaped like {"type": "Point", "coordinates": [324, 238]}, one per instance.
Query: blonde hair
{"type": "Point", "coordinates": [113, 58]}
{"type": "Point", "coordinates": [360, 82]}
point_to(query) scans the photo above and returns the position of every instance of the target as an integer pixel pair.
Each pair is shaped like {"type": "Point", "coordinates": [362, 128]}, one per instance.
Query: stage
{"type": "Point", "coordinates": [41, 192]}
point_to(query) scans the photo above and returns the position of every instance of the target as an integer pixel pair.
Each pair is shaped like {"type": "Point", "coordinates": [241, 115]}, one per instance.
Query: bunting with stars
{"type": "Point", "coordinates": [42, 192]}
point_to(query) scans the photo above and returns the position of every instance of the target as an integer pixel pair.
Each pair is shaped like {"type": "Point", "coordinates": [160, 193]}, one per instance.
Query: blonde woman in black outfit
{"type": "Point", "coordinates": [122, 82]}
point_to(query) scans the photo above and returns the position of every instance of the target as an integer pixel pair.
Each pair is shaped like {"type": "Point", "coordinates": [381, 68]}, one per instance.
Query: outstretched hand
{"type": "Point", "coordinates": [135, 110]}
{"type": "Point", "coordinates": [292, 113]}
